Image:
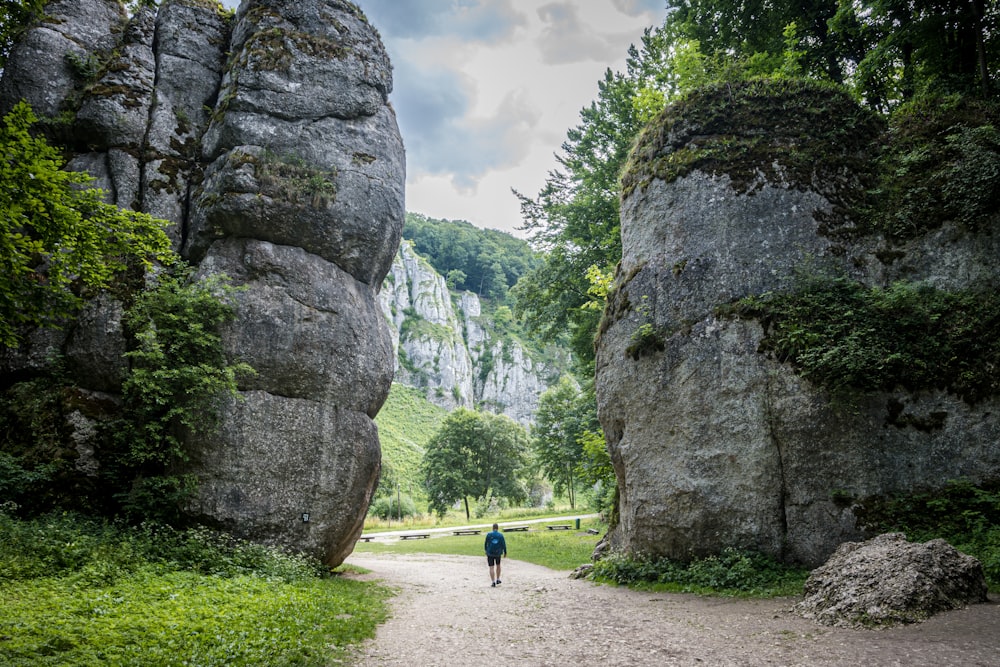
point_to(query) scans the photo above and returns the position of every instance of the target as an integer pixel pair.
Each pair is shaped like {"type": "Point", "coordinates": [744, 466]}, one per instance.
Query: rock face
{"type": "Point", "coordinates": [267, 140]}
{"type": "Point", "coordinates": [445, 346]}
{"type": "Point", "coordinates": [715, 444]}
{"type": "Point", "coordinates": [887, 581]}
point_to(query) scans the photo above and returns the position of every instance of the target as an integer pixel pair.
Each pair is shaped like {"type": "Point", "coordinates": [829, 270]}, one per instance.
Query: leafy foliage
{"type": "Point", "coordinates": [57, 237]}
{"type": "Point", "coordinates": [178, 376]}
{"type": "Point", "coordinates": [966, 515]}
{"type": "Point", "coordinates": [942, 162]}
{"type": "Point", "coordinates": [732, 572]}
{"type": "Point", "coordinates": [179, 370]}
{"type": "Point", "coordinates": [566, 437]}
{"type": "Point", "coordinates": [485, 261]}
{"type": "Point", "coordinates": [887, 51]}
{"type": "Point", "coordinates": [842, 335]}
{"type": "Point", "coordinates": [83, 592]}
{"type": "Point", "coordinates": [474, 454]}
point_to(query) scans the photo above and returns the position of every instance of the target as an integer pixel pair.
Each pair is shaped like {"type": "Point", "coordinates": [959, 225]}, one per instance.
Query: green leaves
{"type": "Point", "coordinates": [474, 454]}
{"type": "Point", "coordinates": [844, 336]}
{"type": "Point", "coordinates": [179, 371]}
{"type": "Point", "coordinates": [82, 592]}
{"type": "Point", "coordinates": [57, 237]}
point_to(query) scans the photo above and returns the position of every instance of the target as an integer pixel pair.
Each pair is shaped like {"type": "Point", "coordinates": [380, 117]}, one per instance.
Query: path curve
{"type": "Point", "coordinates": [447, 614]}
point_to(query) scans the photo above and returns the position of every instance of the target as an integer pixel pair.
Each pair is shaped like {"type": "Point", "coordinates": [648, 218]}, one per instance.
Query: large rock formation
{"type": "Point", "coordinates": [266, 138]}
{"type": "Point", "coordinates": [445, 345]}
{"type": "Point", "coordinates": [714, 443]}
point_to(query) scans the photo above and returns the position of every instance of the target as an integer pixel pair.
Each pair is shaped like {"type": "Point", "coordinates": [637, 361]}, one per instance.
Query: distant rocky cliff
{"type": "Point", "coordinates": [267, 140]}
{"type": "Point", "coordinates": [715, 442]}
{"type": "Point", "coordinates": [446, 346]}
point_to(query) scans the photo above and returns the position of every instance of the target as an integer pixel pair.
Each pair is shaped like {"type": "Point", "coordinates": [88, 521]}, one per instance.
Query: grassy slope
{"type": "Point", "coordinates": [405, 423]}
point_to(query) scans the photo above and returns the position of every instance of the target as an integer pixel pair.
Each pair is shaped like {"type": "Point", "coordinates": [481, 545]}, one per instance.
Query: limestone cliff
{"type": "Point", "coordinates": [267, 140]}
{"type": "Point", "coordinates": [716, 443]}
{"type": "Point", "coordinates": [446, 346]}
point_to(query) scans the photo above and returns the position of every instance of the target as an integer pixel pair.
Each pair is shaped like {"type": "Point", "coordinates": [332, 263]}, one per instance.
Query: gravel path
{"type": "Point", "coordinates": [446, 613]}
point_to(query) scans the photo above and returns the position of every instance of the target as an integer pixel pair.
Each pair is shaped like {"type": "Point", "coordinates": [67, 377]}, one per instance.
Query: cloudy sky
{"type": "Point", "coordinates": [485, 90]}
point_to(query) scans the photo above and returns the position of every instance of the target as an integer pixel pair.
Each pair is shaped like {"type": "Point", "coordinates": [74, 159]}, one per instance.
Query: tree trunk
{"type": "Point", "coordinates": [468, 517]}
{"type": "Point", "coordinates": [978, 11]}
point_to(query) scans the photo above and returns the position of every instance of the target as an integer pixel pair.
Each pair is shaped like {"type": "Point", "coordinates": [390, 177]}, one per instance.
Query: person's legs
{"type": "Point", "coordinates": [498, 570]}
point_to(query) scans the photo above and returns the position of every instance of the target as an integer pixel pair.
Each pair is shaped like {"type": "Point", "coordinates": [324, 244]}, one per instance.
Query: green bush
{"type": "Point", "coordinates": [941, 162]}
{"type": "Point", "coordinates": [843, 335]}
{"type": "Point", "coordinates": [391, 507]}
{"type": "Point", "coordinates": [964, 514]}
{"type": "Point", "coordinates": [732, 572]}
{"type": "Point", "coordinates": [81, 591]}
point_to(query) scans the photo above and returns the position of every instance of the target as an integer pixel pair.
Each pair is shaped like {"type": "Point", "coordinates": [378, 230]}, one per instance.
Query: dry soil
{"type": "Point", "coordinates": [447, 613]}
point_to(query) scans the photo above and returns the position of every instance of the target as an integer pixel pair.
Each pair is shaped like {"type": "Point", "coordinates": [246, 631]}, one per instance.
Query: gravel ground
{"type": "Point", "coordinates": [446, 613]}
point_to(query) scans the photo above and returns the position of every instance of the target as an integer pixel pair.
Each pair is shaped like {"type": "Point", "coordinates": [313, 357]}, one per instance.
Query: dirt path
{"type": "Point", "coordinates": [447, 614]}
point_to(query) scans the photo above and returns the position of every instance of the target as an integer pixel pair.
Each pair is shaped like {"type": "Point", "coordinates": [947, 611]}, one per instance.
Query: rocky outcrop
{"type": "Point", "coordinates": [447, 347]}
{"type": "Point", "coordinates": [887, 581]}
{"type": "Point", "coordinates": [267, 140]}
{"type": "Point", "coordinates": [426, 333]}
{"type": "Point", "coordinates": [715, 443]}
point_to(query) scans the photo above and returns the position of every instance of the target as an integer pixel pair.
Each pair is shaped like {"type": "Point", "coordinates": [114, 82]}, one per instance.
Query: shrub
{"type": "Point", "coordinates": [965, 514]}
{"type": "Point", "coordinates": [393, 507]}
{"type": "Point", "coordinates": [841, 334]}
{"type": "Point", "coordinates": [733, 572]}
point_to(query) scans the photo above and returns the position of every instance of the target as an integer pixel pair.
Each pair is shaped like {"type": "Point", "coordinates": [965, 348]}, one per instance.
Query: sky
{"type": "Point", "coordinates": [485, 91]}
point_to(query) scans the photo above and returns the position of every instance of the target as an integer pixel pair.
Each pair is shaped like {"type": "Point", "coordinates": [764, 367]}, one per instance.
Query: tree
{"type": "Point", "coordinates": [574, 219]}
{"type": "Point", "coordinates": [556, 435]}
{"type": "Point", "coordinates": [567, 439]}
{"type": "Point", "coordinates": [60, 239]}
{"type": "Point", "coordinates": [15, 17]}
{"type": "Point", "coordinates": [902, 48]}
{"type": "Point", "coordinates": [474, 454]}
{"type": "Point", "coordinates": [485, 261]}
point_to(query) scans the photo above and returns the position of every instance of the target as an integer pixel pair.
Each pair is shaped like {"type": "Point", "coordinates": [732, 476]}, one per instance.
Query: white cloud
{"type": "Point", "coordinates": [472, 20]}
{"type": "Point", "coordinates": [638, 7]}
{"type": "Point", "coordinates": [566, 39]}
{"type": "Point", "coordinates": [485, 91]}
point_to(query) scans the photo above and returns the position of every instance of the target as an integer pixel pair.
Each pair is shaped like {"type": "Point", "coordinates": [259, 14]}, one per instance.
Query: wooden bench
{"type": "Point", "coordinates": [560, 526]}
{"type": "Point", "coordinates": [514, 529]}
{"type": "Point", "coordinates": [466, 532]}
{"type": "Point", "coordinates": [366, 538]}
{"type": "Point", "coordinates": [415, 536]}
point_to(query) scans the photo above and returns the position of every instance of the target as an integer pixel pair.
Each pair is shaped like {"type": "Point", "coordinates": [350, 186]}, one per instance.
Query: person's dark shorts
{"type": "Point", "coordinates": [492, 560]}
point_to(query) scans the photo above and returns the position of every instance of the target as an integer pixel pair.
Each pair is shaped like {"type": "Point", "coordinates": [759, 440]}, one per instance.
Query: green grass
{"type": "Point", "coordinates": [458, 518]}
{"type": "Point", "coordinates": [76, 592]}
{"type": "Point", "coordinates": [406, 422]}
{"type": "Point", "coordinates": [558, 550]}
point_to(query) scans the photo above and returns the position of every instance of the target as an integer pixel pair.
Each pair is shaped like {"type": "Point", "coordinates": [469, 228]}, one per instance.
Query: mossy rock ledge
{"type": "Point", "coordinates": [741, 190]}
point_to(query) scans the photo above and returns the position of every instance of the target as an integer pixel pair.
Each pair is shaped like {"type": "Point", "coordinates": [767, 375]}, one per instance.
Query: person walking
{"type": "Point", "coordinates": [496, 548]}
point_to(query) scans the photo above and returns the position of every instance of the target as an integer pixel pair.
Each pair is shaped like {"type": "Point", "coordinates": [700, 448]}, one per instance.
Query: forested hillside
{"type": "Point", "coordinates": [453, 331]}
{"type": "Point", "coordinates": [485, 261]}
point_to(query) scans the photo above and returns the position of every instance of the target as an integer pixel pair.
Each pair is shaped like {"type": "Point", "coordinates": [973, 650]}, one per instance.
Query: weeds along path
{"type": "Point", "coordinates": [447, 614]}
